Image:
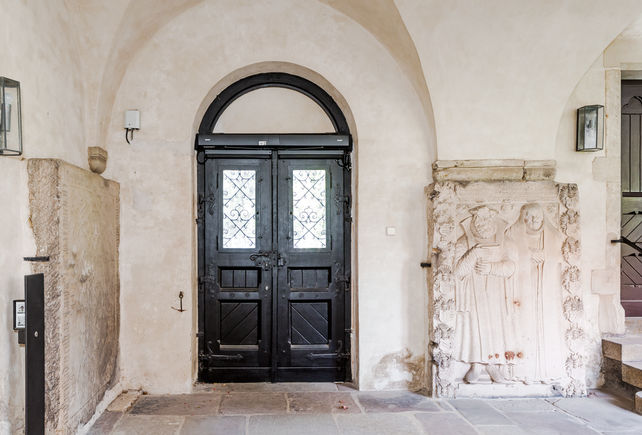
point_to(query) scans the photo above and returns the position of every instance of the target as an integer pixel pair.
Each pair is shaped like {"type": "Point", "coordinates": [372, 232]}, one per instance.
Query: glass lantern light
{"type": "Point", "coordinates": [590, 128]}
{"type": "Point", "coordinates": [10, 119]}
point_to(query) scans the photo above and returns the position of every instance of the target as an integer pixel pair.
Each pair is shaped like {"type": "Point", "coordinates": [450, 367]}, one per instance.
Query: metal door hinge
{"type": "Point", "coordinates": [338, 355]}
{"type": "Point", "coordinates": [343, 279]}
{"type": "Point", "coordinates": [345, 162]}
{"type": "Point", "coordinates": [210, 356]}
{"type": "Point", "coordinates": [205, 203]}
{"type": "Point", "coordinates": [347, 199]}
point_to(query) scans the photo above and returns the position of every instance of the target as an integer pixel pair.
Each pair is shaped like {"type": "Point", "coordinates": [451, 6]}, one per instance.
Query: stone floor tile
{"type": "Point", "coordinates": [443, 404]}
{"type": "Point", "coordinates": [254, 403]}
{"type": "Point", "coordinates": [396, 401]}
{"type": "Point", "coordinates": [266, 387]}
{"type": "Point", "coordinates": [346, 387]}
{"type": "Point", "coordinates": [148, 424]}
{"type": "Point", "coordinates": [550, 422]}
{"type": "Point", "coordinates": [227, 425]}
{"type": "Point", "coordinates": [447, 423]}
{"type": "Point", "coordinates": [177, 404]}
{"type": "Point", "coordinates": [628, 432]}
{"type": "Point", "coordinates": [292, 425]}
{"type": "Point", "coordinates": [507, 405]}
{"type": "Point", "coordinates": [478, 412]}
{"type": "Point", "coordinates": [105, 423]}
{"type": "Point", "coordinates": [501, 430]}
{"type": "Point", "coordinates": [379, 424]}
{"type": "Point", "coordinates": [603, 414]}
{"type": "Point", "coordinates": [123, 402]}
{"type": "Point", "coordinates": [322, 403]}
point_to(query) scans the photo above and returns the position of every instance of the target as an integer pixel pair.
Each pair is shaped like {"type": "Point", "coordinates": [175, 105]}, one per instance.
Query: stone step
{"type": "Point", "coordinates": [632, 373]}
{"type": "Point", "coordinates": [623, 348]}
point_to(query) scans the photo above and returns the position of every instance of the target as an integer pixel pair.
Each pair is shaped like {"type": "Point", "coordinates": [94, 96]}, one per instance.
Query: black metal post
{"type": "Point", "coordinates": [35, 355]}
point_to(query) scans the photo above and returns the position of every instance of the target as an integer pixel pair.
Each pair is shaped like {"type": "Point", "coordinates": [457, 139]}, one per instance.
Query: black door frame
{"type": "Point", "coordinates": [210, 145]}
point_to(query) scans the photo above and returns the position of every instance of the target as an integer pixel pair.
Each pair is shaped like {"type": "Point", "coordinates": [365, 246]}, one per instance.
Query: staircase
{"type": "Point", "coordinates": [622, 365]}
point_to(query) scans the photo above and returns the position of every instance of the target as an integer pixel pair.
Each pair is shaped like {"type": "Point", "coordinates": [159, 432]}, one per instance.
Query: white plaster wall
{"type": "Point", "coordinates": [500, 71]}
{"type": "Point", "coordinates": [37, 49]}
{"type": "Point", "coordinates": [199, 48]}
{"type": "Point", "coordinates": [13, 216]}
{"type": "Point", "coordinates": [574, 167]}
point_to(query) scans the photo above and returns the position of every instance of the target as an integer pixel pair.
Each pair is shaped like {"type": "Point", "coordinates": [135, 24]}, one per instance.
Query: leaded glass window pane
{"type": "Point", "coordinates": [239, 209]}
{"type": "Point", "coordinates": [309, 208]}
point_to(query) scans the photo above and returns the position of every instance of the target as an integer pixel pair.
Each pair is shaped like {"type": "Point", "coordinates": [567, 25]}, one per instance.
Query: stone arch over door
{"type": "Point", "coordinates": [272, 342]}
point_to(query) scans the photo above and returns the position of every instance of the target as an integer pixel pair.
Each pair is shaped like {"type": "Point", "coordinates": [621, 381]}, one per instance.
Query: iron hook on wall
{"type": "Point", "coordinates": [180, 298]}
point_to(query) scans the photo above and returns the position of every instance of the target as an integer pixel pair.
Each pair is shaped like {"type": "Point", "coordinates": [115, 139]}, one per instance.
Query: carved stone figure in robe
{"type": "Point", "coordinates": [482, 272]}
{"type": "Point", "coordinates": [535, 247]}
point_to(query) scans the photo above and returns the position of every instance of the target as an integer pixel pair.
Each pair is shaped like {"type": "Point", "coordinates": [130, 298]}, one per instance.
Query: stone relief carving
{"type": "Point", "coordinates": [506, 305]}
{"type": "Point", "coordinates": [483, 271]}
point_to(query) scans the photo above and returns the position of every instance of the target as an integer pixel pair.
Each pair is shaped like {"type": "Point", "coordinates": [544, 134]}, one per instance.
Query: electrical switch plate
{"type": "Point", "coordinates": [391, 231]}
{"type": "Point", "coordinates": [132, 119]}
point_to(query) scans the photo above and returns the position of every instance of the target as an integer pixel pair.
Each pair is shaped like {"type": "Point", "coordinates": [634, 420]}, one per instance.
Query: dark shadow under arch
{"type": "Point", "coordinates": [277, 80]}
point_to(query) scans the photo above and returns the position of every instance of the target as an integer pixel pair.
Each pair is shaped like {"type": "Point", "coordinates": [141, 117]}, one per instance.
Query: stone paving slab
{"type": "Point", "coordinates": [603, 414]}
{"type": "Point", "coordinates": [392, 412]}
{"type": "Point", "coordinates": [123, 402]}
{"type": "Point", "coordinates": [448, 423]}
{"type": "Point", "coordinates": [396, 401]}
{"type": "Point", "coordinates": [504, 405]}
{"type": "Point", "coordinates": [105, 423]}
{"type": "Point", "coordinates": [550, 422]}
{"type": "Point", "coordinates": [254, 403]}
{"type": "Point", "coordinates": [322, 403]}
{"type": "Point", "coordinates": [177, 404]}
{"type": "Point", "coordinates": [501, 430]}
{"type": "Point", "coordinates": [292, 425]}
{"type": "Point", "coordinates": [265, 387]}
{"type": "Point", "coordinates": [227, 425]}
{"type": "Point", "coordinates": [148, 425]}
{"type": "Point", "coordinates": [381, 424]}
{"type": "Point", "coordinates": [479, 412]}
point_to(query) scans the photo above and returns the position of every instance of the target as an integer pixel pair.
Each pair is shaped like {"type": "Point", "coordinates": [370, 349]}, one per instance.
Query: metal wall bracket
{"type": "Point", "coordinates": [628, 242]}
{"type": "Point", "coordinates": [38, 259]}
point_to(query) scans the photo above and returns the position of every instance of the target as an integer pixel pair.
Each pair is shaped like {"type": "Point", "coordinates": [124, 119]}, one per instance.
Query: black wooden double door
{"type": "Point", "coordinates": [274, 279]}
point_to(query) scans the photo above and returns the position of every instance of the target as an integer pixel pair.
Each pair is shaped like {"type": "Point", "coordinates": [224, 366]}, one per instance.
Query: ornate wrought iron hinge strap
{"type": "Point", "coordinates": [338, 355]}
{"type": "Point", "coordinates": [205, 202]}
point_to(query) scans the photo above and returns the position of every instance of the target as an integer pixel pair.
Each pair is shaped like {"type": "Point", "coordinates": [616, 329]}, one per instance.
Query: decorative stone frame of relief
{"type": "Point", "coordinates": [506, 309]}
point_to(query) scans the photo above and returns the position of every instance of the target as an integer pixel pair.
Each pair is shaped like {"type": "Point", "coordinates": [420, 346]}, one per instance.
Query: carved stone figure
{"type": "Point", "coordinates": [482, 273]}
{"type": "Point", "coordinates": [534, 245]}
{"type": "Point", "coordinates": [527, 306]}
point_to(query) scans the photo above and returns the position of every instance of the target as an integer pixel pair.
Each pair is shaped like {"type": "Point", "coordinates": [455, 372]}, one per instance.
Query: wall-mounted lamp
{"type": "Point", "coordinates": [590, 128]}
{"type": "Point", "coordinates": [10, 119]}
{"type": "Point", "coordinates": [132, 122]}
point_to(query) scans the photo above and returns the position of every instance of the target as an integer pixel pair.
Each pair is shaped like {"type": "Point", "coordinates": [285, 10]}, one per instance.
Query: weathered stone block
{"type": "Point", "coordinates": [638, 402]}
{"type": "Point", "coordinates": [123, 402]}
{"type": "Point", "coordinates": [493, 170]}
{"type": "Point", "coordinates": [75, 220]}
{"type": "Point", "coordinates": [632, 373]}
{"type": "Point", "coordinates": [625, 348]}
{"type": "Point", "coordinates": [506, 296]}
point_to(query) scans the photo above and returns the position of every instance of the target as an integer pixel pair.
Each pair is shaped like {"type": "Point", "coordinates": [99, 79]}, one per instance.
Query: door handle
{"type": "Point", "coordinates": [267, 259]}
{"type": "Point", "coordinates": [263, 259]}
